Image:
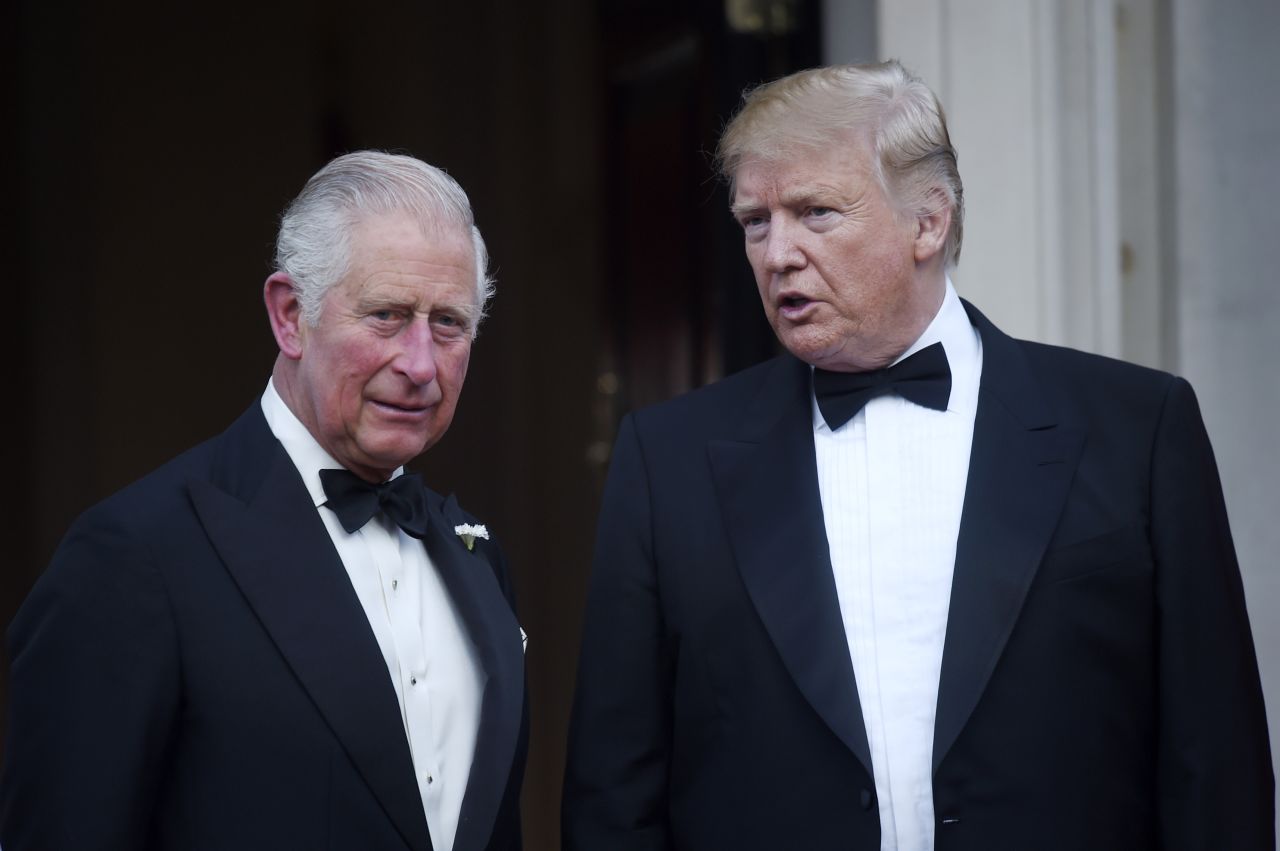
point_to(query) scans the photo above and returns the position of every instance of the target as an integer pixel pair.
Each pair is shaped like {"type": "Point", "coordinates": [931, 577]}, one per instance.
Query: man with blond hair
{"type": "Point", "coordinates": [280, 640]}
{"type": "Point", "coordinates": [912, 584]}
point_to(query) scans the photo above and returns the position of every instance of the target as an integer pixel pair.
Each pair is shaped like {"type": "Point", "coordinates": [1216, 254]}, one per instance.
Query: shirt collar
{"type": "Point", "coordinates": [304, 450]}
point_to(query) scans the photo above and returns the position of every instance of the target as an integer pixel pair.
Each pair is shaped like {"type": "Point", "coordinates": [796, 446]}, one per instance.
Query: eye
{"type": "Point", "coordinates": [754, 225]}
{"type": "Point", "coordinates": [449, 324]}
{"type": "Point", "coordinates": [385, 320]}
{"type": "Point", "coordinates": [820, 212]}
{"type": "Point", "coordinates": [386, 315]}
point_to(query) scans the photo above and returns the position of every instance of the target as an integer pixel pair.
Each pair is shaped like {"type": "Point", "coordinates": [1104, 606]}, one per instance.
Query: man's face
{"type": "Point", "coordinates": [380, 374]}
{"type": "Point", "coordinates": [835, 263]}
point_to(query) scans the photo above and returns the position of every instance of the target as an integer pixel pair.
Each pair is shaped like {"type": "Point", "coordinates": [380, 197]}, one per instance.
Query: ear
{"type": "Point", "coordinates": [932, 227]}
{"type": "Point", "coordinates": [284, 311]}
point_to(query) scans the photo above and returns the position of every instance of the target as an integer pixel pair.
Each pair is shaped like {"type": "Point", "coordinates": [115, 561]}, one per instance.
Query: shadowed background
{"type": "Point", "coordinates": [152, 147]}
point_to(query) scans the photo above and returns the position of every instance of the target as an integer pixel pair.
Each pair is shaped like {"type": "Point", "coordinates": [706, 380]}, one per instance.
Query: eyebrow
{"type": "Point", "coordinates": [468, 311]}
{"type": "Point", "coordinates": [794, 196]}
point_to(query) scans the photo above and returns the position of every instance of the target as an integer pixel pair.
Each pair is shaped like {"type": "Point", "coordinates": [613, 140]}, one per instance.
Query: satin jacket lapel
{"type": "Point", "coordinates": [495, 633]}
{"type": "Point", "coordinates": [1020, 469]}
{"type": "Point", "coordinates": [264, 526]}
{"type": "Point", "coordinates": [768, 486]}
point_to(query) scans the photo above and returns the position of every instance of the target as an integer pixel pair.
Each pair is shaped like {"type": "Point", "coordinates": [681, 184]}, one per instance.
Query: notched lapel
{"type": "Point", "coordinates": [493, 629]}
{"type": "Point", "coordinates": [1020, 470]}
{"type": "Point", "coordinates": [276, 548]}
{"type": "Point", "coordinates": [767, 482]}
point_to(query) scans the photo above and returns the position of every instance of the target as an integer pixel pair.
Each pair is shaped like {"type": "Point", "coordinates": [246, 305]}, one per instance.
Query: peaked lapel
{"type": "Point", "coordinates": [261, 520]}
{"type": "Point", "coordinates": [767, 482]}
{"type": "Point", "coordinates": [1020, 467]}
{"type": "Point", "coordinates": [491, 624]}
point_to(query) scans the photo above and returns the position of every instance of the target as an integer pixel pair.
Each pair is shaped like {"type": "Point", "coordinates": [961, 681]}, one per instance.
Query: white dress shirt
{"type": "Point", "coordinates": [432, 662]}
{"type": "Point", "coordinates": [892, 482]}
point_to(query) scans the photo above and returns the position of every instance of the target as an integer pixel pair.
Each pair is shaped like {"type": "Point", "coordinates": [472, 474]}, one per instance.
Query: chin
{"type": "Point", "coordinates": [806, 348]}
{"type": "Point", "coordinates": [390, 454]}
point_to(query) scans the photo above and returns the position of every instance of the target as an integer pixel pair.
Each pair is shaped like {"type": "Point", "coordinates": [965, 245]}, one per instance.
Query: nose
{"type": "Point", "coordinates": [417, 357]}
{"type": "Point", "coordinates": [781, 251]}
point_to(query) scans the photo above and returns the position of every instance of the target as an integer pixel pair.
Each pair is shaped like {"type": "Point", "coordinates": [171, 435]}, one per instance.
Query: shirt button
{"type": "Point", "coordinates": [430, 780]}
{"type": "Point", "coordinates": [413, 681]}
{"type": "Point", "coordinates": [394, 584]}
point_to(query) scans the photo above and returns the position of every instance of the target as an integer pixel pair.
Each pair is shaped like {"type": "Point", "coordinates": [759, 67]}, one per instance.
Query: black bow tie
{"type": "Point", "coordinates": [923, 378]}
{"type": "Point", "coordinates": [354, 500]}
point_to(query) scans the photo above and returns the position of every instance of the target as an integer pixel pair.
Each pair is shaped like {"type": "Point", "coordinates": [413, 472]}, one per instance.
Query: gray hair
{"type": "Point", "coordinates": [314, 244]}
{"type": "Point", "coordinates": [885, 104]}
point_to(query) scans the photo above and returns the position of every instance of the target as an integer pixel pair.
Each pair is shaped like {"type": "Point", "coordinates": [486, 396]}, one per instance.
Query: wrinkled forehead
{"type": "Point", "coordinates": [829, 157]}
{"type": "Point", "coordinates": [401, 242]}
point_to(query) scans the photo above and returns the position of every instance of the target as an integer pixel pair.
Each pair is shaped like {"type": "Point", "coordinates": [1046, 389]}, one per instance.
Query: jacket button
{"type": "Point", "coordinates": [866, 799]}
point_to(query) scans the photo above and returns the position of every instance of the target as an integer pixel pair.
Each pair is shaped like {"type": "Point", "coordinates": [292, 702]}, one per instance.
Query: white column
{"type": "Point", "coordinates": [1226, 124]}
{"type": "Point", "coordinates": [1030, 92]}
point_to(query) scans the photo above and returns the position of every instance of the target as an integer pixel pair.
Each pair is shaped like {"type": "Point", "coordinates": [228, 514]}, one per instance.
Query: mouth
{"type": "Point", "coordinates": [794, 306]}
{"type": "Point", "coordinates": [400, 409]}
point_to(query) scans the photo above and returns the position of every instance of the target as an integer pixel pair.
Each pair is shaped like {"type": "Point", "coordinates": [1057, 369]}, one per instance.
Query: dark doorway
{"type": "Point", "coordinates": [680, 302]}
{"type": "Point", "coordinates": [151, 151]}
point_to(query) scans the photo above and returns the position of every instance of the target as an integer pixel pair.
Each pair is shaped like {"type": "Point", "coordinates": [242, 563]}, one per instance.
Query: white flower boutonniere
{"type": "Point", "coordinates": [469, 533]}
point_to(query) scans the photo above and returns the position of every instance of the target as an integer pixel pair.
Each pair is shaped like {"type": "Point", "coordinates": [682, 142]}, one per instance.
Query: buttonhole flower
{"type": "Point", "coordinates": [469, 533]}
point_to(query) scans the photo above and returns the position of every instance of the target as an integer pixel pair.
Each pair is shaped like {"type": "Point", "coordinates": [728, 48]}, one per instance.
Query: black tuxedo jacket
{"type": "Point", "coordinates": [195, 671]}
{"type": "Point", "coordinates": [1098, 690]}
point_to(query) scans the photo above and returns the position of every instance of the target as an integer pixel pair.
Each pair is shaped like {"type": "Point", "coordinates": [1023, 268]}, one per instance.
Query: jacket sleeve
{"type": "Point", "coordinates": [616, 777]}
{"type": "Point", "coordinates": [93, 697]}
{"type": "Point", "coordinates": [1214, 769]}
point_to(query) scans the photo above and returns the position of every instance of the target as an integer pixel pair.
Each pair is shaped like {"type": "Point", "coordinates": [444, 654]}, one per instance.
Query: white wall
{"type": "Point", "coordinates": [1226, 165]}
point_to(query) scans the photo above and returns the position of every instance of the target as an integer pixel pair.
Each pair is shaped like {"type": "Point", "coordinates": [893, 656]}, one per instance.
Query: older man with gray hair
{"type": "Point", "coordinates": [280, 639]}
{"type": "Point", "coordinates": [912, 584]}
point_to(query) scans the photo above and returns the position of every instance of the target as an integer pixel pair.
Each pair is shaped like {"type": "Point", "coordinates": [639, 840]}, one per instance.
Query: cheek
{"type": "Point", "coordinates": [357, 364]}
{"type": "Point", "coordinates": [349, 375]}
{"type": "Point", "coordinates": [876, 278]}
{"type": "Point", "coordinates": [452, 366]}
{"type": "Point", "coordinates": [755, 257]}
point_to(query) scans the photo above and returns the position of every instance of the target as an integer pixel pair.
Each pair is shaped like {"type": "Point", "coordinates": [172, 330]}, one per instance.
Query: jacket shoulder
{"type": "Point", "coordinates": [1071, 381]}
{"type": "Point", "coordinates": [1082, 381]}
{"type": "Point", "coordinates": [1079, 365]}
